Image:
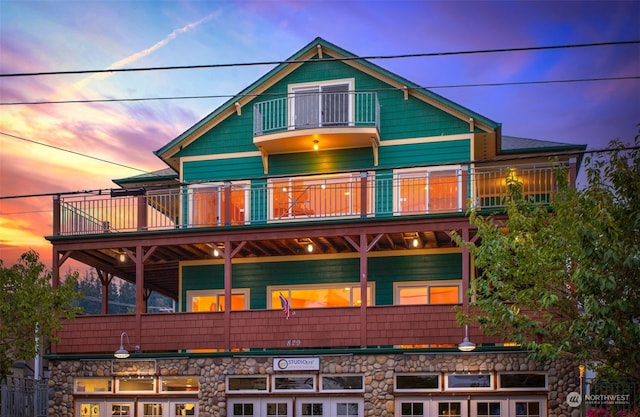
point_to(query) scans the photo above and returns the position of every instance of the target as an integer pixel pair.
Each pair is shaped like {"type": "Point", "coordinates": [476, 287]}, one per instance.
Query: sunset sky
{"type": "Point", "coordinates": [116, 139]}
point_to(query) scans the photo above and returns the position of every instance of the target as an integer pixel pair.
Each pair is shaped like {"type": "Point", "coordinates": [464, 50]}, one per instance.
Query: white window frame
{"type": "Point", "coordinates": [426, 171]}
{"type": "Point", "coordinates": [286, 291]}
{"type": "Point", "coordinates": [438, 389]}
{"type": "Point", "coordinates": [501, 388]}
{"type": "Point", "coordinates": [217, 293]}
{"type": "Point", "coordinates": [260, 405]}
{"type": "Point", "coordinates": [426, 285]}
{"type": "Point", "coordinates": [503, 401]}
{"type": "Point", "coordinates": [220, 191]}
{"type": "Point", "coordinates": [454, 389]}
{"type": "Point", "coordinates": [293, 88]}
{"type": "Point", "coordinates": [541, 400]}
{"type": "Point", "coordinates": [101, 404]}
{"type": "Point", "coordinates": [248, 391]}
{"type": "Point", "coordinates": [313, 378]}
{"type": "Point", "coordinates": [110, 403]}
{"type": "Point", "coordinates": [322, 389]}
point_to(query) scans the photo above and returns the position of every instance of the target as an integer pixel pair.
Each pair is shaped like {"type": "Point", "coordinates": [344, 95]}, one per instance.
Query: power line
{"type": "Point", "coordinates": [72, 152]}
{"type": "Point", "coordinates": [372, 57]}
{"type": "Point", "coordinates": [115, 100]}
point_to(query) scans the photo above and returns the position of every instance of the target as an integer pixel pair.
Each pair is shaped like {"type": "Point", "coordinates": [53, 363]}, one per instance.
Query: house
{"type": "Point", "coordinates": [303, 229]}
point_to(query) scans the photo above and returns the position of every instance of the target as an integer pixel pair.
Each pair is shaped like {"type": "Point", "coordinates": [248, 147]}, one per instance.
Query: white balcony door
{"type": "Point", "coordinates": [306, 108]}
{"type": "Point", "coordinates": [324, 105]}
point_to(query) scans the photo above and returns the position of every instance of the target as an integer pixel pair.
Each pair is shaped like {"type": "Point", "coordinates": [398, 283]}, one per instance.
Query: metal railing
{"type": "Point", "coordinates": [349, 195]}
{"type": "Point", "coordinates": [315, 110]}
{"type": "Point", "coordinates": [23, 397]}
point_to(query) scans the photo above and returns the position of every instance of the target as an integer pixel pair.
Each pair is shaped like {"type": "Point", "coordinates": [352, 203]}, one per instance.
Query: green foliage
{"type": "Point", "coordinates": [29, 305]}
{"type": "Point", "coordinates": [564, 280]}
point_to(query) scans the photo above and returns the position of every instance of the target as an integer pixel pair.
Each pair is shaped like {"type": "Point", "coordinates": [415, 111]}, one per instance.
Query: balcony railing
{"type": "Point", "coordinates": [316, 110]}
{"type": "Point", "coordinates": [339, 196]}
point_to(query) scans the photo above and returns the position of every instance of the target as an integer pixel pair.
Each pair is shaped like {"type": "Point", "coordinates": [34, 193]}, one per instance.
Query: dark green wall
{"type": "Point", "coordinates": [384, 271]}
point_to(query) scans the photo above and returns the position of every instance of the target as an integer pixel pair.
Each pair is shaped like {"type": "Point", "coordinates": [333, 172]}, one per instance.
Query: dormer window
{"type": "Point", "coordinates": [316, 105]}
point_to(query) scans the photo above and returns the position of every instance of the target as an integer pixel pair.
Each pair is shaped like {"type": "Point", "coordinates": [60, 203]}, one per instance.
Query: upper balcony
{"type": "Point", "coordinates": [327, 117]}
{"type": "Point", "coordinates": [354, 195]}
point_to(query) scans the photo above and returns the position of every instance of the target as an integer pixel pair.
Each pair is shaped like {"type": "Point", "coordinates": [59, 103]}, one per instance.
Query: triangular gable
{"type": "Point", "coordinates": [319, 48]}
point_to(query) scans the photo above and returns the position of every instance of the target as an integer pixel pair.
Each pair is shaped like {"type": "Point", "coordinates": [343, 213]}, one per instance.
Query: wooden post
{"type": "Point", "coordinates": [142, 212]}
{"type": "Point", "coordinates": [56, 215]}
{"type": "Point", "coordinates": [363, 289]}
{"type": "Point", "coordinates": [363, 195]}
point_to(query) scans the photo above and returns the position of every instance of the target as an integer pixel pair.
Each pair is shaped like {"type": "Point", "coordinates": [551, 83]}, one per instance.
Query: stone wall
{"type": "Point", "coordinates": [378, 371]}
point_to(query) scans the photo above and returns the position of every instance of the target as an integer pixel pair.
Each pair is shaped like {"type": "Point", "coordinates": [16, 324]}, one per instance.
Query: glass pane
{"type": "Point", "coordinates": [180, 384]}
{"type": "Point", "coordinates": [152, 410]}
{"type": "Point", "coordinates": [294, 383]}
{"type": "Point", "coordinates": [488, 409]}
{"type": "Point", "coordinates": [237, 204]}
{"type": "Point", "coordinates": [335, 105]}
{"type": "Point", "coordinates": [185, 409]}
{"type": "Point", "coordinates": [449, 410]}
{"type": "Point", "coordinates": [527, 409]}
{"type": "Point", "coordinates": [90, 410]}
{"type": "Point", "coordinates": [412, 295]}
{"type": "Point", "coordinates": [93, 385]}
{"type": "Point", "coordinates": [412, 195]}
{"type": "Point", "coordinates": [347, 409]}
{"type": "Point", "coordinates": [354, 382]}
{"type": "Point", "coordinates": [247, 384]}
{"type": "Point", "coordinates": [469, 381]}
{"type": "Point", "coordinates": [135, 384]}
{"type": "Point", "coordinates": [312, 409]}
{"type": "Point", "coordinates": [443, 295]}
{"type": "Point", "coordinates": [206, 206]}
{"type": "Point", "coordinates": [243, 409]}
{"type": "Point", "coordinates": [412, 410]}
{"type": "Point", "coordinates": [523, 380]}
{"type": "Point", "coordinates": [417, 382]}
{"type": "Point", "coordinates": [121, 410]}
{"type": "Point", "coordinates": [205, 303]}
{"type": "Point", "coordinates": [443, 191]}
{"type": "Point", "coordinates": [276, 409]}
{"type": "Point", "coordinates": [306, 108]}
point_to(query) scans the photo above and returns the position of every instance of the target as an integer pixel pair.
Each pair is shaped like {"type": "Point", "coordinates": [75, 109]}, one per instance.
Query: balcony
{"type": "Point", "coordinates": [391, 326]}
{"type": "Point", "coordinates": [360, 195]}
{"type": "Point", "coordinates": [316, 120]}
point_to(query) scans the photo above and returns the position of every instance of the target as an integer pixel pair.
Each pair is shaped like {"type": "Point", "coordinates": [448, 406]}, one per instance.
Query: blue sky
{"type": "Point", "coordinates": [37, 36]}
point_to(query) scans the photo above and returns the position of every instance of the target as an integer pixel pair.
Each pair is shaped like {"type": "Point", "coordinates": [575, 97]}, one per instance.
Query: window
{"type": "Point", "coordinates": [121, 409]}
{"type": "Point", "coordinates": [449, 409]}
{"type": "Point", "coordinates": [310, 296]}
{"type": "Point", "coordinates": [246, 384]}
{"type": "Point", "coordinates": [185, 409]}
{"type": "Point", "coordinates": [339, 383]}
{"type": "Point", "coordinates": [484, 409]}
{"type": "Point", "coordinates": [468, 382]}
{"type": "Point", "coordinates": [214, 300]}
{"type": "Point", "coordinates": [347, 409]}
{"type": "Point", "coordinates": [171, 384]}
{"type": "Point", "coordinates": [522, 381]}
{"type": "Point", "coordinates": [417, 382]}
{"type": "Point", "coordinates": [317, 196]}
{"type": "Point", "coordinates": [89, 409]}
{"type": "Point", "coordinates": [207, 203]}
{"type": "Point", "coordinates": [311, 409]}
{"type": "Point", "coordinates": [152, 410]}
{"type": "Point", "coordinates": [410, 409]}
{"type": "Point", "coordinates": [420, 191]}
{"type": "Point", "coordinates": [431, 292]}
{"type": "Point", "coordinates": [320, 105]}
{"type": "Point", "coordinates": [294, 383]}
{"type": "Point", "coordinates": [135, 384]}
{"type": "Point", "coordinates": [93, 385]}
{"type": "Point", "coordinates": [277, 409]}
{"type": "Point", "coordinates": [242, 409]}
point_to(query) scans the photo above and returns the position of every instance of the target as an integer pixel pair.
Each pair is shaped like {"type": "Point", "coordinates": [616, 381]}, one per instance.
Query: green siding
{"type": "Point", "coordinates": [321, 162]}
{"type": "Point", "coordinates": [433, 153]}
{"type": "Point", "coordinates": [234, 134]}
{"type": "Point", "coordinates": [222, 169]}
{"type": "Point", "coordinates": [384, 271]}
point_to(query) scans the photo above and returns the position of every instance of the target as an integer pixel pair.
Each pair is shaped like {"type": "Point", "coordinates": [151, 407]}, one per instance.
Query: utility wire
{"type": "Point", "coordinates": [372, 57]}
{"type": "Point", "coordinates": [115, 100]}
{"type": "Point", "coordinates": [72, 152]}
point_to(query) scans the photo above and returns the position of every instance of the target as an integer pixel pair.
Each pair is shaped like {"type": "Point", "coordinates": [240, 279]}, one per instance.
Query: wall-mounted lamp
{"type": "Point", "coordinates": [310, 247]}
{"type": "Point", "coordinates": [466, 345]}
{"type": "Point", "coordinates": [123, 353]}
{"type": "Point", "coordinates": [315, 145]}
{"type": "Point", "coordinates": [122, 257]}
{"type": "Point", "coordinates": [416, 242]}
{"type": "Point", "coordinates": [216, 253]}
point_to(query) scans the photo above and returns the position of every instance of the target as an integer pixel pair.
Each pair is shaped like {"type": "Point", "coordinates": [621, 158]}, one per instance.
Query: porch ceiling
{"type": "Point", "coordinates": [162, 251]}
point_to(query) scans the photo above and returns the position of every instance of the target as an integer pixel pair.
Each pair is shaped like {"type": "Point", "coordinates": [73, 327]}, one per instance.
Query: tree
{"type": "Point", "coordinates": [563, 280]}
{"type": "Point", "coordinates": [29, 305]}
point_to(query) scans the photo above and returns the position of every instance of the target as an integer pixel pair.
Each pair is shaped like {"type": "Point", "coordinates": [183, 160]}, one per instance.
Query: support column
{"type": "Point", "coordinates": [228, 253]}
{"type": "Point", "coordinates": [363, 289]}
{"type": "Point", "coordinates": [466, 273]}
{"type": "Point", "coordinates": [105, 280]}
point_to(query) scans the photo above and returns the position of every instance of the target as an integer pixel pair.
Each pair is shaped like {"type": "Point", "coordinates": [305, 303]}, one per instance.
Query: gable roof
{"type": "Point", "coordinates": [316, 47]}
